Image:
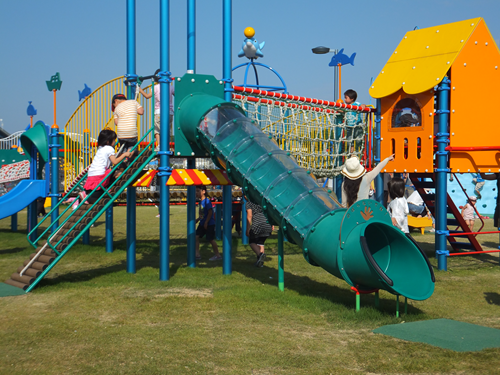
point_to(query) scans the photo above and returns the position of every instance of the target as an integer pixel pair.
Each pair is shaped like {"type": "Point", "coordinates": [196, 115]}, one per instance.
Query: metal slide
{"type": "Point", "coordinates": [359, 244]}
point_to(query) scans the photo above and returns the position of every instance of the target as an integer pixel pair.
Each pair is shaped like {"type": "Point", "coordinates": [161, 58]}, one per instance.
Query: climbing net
{"type": "Point", "coordinates": [15, 171]}
{"type": "Point", "coordinates": [318, 133]}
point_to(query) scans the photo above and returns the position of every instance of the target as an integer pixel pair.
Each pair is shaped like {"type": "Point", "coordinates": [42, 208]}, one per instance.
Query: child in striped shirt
{"type": "Point", "coordinates": [126, 112]}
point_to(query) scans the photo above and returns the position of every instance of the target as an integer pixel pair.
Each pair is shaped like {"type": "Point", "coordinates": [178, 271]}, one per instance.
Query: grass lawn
{"type": "Point", "coordinates": [89, 316]}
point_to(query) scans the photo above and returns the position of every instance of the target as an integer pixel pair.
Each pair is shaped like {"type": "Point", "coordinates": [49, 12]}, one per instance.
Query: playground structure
{"type": "Point", "coordinates": [313, 130]}
{"type": "Point", "coordinates": [443, 64]}
{"type": "Point", "coordinates": [211, 125]}
{"type": "Point", "coordinates": [25, 192]}
{"type": "Point", "coordinates": [289, 195]}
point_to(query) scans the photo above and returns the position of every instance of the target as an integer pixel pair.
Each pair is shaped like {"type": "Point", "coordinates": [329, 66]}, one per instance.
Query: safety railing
{"type": "Point", "coordinates": [11, 141]}
{"type": "Point", "coordinates": [106, 195]}
{"type": "Point", "coordinates": [79, 184]}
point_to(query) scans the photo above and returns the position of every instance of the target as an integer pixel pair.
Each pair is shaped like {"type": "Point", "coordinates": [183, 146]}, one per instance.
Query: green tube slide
{"type": "Point", "coordinates": [359, 245]}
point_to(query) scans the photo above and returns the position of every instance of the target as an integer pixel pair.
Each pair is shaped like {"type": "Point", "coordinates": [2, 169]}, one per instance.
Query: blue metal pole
{"type": "Point", "coordinates": [218, 222]}
{"type": "Point", "coordinates": [86, 161]}
{"type": "Point", "coordinates": [227, 203]}
{"type": "Point", "coordinates": [191, 220]}
{"type": "Point", "coordinates": [109, 229]}
{"type": "Point", "coordinates": [191, 163]}
{"type": "Point", "coordinates": [164, 169]}
{"type": "Point", "coordinates": [131, 239]}
{"type": "Point", "coordinates": [379, 180]}
{"type": "Point", "coordinates": [13, 222]}
{"type": "Point", "coordinates": [226, 190]}
{"type": "Point", "coordinates": [244, 237]}
{"type": "Point", "coordinates": [191, 36]}
{"type": "Point", "coordinates": [442, 140]}
{"type": "Point", "coordinates": [32, 208]}
{"type": "Point", "coordinates": [131, 199]}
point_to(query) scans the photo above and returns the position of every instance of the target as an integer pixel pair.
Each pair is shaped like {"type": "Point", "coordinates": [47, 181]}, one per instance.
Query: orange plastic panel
{"type": "Point", "coordinates": [475, 92]}
{"type": "Point", "coordinates": [422, 58]}
{"type": "Point", "coordinates": [412, 146]}
{"type": "Point", "coordinates": [181, 177]}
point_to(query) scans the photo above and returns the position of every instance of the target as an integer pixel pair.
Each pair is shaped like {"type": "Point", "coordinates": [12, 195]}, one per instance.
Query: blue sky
{"type": "Point", "coordinates": [85, 41]}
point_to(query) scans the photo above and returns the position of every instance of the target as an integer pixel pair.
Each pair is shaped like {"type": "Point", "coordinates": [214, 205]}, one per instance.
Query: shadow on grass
{"type": "Point", "coordinates": [306, 286]}
{"type": "Point", "coordinates": [493, 298]}
{"type": "Point", "coordinates": [149, 257]}
{"type": "Point", "coordinates": [8, 231]}
{"type": "Point", "coordinates": [13, 250]}
{"type": "Point", "coordinates": [493, 245]}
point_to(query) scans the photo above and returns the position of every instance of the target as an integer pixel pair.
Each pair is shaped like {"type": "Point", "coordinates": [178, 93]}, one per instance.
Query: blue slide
{"type": "Point", "coordinates": [21, 196]}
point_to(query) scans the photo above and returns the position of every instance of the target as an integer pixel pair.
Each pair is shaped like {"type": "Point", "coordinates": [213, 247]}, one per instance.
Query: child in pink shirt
{"type": "Point", "coordinates": [468, 212]}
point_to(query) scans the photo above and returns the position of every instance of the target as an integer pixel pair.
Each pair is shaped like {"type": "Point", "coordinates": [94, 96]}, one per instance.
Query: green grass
{"type": "Point", "coordinates": [89, 316]}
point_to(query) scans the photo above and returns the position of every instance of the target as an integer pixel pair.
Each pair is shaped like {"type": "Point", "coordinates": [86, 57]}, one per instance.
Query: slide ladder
{"type": "Point", "coordinates": [469, 241]}
{"type": "Point", "coordinates": [49, 252]}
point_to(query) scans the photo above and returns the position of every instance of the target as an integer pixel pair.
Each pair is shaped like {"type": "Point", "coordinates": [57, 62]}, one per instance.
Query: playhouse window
{"type": "Point", "coordinates": [406, 114]}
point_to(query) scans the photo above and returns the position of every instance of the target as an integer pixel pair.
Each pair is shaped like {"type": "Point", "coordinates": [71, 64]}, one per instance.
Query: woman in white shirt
{"type": "Point", "coordinates": [357, 184]}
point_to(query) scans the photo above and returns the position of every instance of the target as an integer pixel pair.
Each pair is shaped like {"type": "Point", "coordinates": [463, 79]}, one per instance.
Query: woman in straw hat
{"type": "Point", "coordinates": [356, 185]}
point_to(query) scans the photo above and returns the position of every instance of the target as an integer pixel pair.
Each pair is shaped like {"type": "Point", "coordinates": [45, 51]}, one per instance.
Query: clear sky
{"type": "Point", "coordinates": [85, 41]}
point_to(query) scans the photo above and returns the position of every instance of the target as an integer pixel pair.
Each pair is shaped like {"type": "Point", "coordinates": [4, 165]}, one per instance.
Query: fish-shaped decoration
{"type": "Point", "coordinates": [84, 93]}
{"type": "Point", "coordinates": [54, 83]}
{"type": "Point", "coordinates": [31, 111]}
{"type": "Point", "coordinates": [341, 59]}
{"type": "Point", "coordinates": [251, 48]}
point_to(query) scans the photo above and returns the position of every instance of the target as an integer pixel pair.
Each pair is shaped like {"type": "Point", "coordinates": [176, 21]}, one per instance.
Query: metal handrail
{"type": "Point", "coordinates": [92, 221]}
{"type": "Point", "coordinates": [10, 140]}
{"type": "Point", "coordinates": [92, 115]}
{"type": "Point", "coordinates": [71, 190]}
{"type": "Point", "coordinates": [475, 209]}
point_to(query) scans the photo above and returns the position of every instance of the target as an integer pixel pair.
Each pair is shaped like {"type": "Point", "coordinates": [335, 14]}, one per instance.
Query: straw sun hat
{"type": "Point", "coordinates": [353, 169]}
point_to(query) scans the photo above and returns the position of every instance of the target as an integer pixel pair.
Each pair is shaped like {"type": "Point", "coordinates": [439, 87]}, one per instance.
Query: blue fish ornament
{"type": "Point", "coordinates": [84, 93]}
{"type": "Point", "coordinates": [342, 59]}
{"type": "Point", "coordinates": [31, 111]}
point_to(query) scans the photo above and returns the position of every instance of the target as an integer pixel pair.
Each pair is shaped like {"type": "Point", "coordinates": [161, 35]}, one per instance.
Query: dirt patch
{"type": "Point", "coordinates": [170, 292]}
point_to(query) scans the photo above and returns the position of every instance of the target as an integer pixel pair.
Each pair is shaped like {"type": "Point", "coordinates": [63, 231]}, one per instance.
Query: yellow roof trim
{"type": "Point", "coordinates": [422, 58]}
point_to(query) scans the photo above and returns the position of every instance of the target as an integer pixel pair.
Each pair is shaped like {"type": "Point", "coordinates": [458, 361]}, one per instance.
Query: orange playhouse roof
{"type": "Point", "coordinates": [423, 58]}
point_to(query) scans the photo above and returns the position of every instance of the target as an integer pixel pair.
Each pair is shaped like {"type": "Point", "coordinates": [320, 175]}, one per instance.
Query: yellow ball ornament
{"type": "Point", "coordinates": [249, 32]}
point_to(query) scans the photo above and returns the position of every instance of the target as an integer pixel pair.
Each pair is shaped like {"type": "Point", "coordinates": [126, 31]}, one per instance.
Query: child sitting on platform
{"type": "Point", "coordinates": [100, 167]}
{"type": "Point", "coordinates": [397, 207]}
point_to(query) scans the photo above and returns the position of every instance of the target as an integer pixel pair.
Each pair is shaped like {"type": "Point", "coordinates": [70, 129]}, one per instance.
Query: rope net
{"type": "Point", "coordinates": [321, 135]}
{"type": "Point", "coordinates": [15, 171]}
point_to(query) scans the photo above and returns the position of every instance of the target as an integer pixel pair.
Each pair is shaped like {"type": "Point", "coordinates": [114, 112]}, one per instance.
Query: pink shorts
{"type": "Point", "coordinates": [93, 181]}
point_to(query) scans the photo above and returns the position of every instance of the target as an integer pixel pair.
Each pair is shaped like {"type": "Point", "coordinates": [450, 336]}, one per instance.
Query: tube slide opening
{"type": "Point", "coordinates": [400, 261]}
